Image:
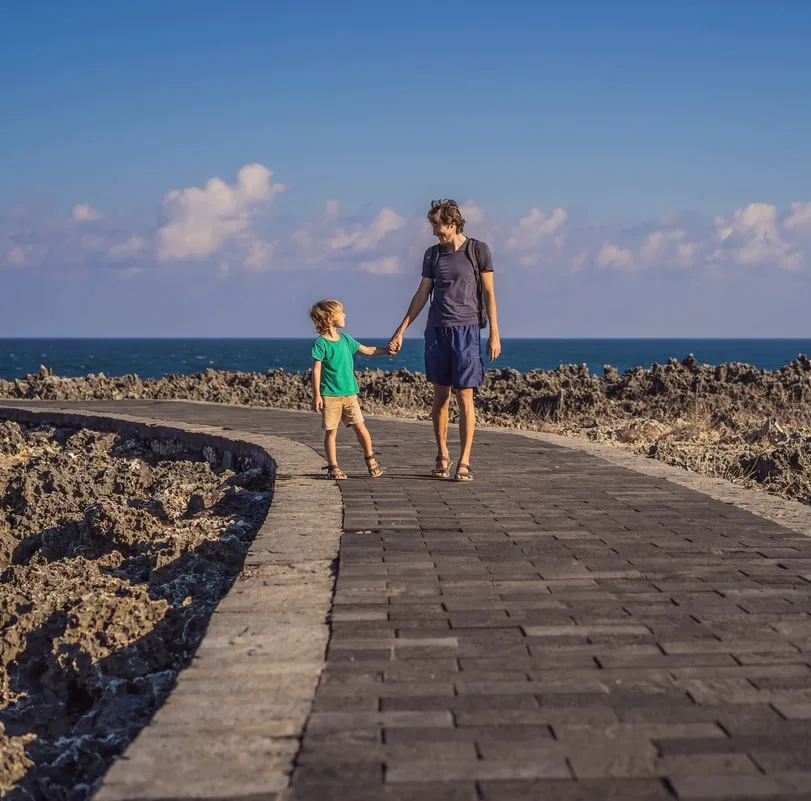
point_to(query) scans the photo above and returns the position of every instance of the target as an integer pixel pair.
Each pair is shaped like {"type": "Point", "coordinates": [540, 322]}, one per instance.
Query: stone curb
{"type": "Point", "coordinates": [231, 728]}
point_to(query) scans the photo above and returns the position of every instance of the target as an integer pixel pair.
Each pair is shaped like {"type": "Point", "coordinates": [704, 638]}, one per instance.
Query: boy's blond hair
{"type": "Point", "coordinates": [323, 314]}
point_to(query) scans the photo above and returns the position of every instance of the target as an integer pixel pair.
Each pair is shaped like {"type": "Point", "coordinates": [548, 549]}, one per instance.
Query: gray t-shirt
{"type": "Point", "coordinates": [455, 300]}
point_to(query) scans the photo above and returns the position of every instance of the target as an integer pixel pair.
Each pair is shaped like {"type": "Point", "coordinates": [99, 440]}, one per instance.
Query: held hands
{"type": "Point", "coordinates": [395, 343]}
{"type": "Point", "coordinates": [317, 404]}
{"type": "Point", "coordinates": [494, 346]}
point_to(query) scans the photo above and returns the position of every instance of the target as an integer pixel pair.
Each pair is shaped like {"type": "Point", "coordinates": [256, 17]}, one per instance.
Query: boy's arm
{"type": "Point", "coordinates": [368, 350]}
{"type": "Point", "coordinates": [414, 308]}
{"type": "Point", "coordinates": [318, 401]}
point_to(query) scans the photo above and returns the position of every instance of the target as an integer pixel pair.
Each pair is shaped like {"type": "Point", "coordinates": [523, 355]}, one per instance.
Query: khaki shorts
{"type": "Point", "coordinates": [341, 408]}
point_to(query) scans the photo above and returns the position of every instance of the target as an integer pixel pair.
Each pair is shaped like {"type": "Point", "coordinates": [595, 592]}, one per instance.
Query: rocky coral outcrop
{"type": "Point", "coordinates": [112, 558]}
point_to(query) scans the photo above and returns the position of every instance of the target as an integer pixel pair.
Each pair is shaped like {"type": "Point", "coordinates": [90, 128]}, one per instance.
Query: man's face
{"type": "Point", "coordinates": [444, 233]}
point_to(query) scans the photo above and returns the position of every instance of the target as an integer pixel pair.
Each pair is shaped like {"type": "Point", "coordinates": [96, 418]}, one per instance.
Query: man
{"type": "Point", "coordinates": [453, 332]}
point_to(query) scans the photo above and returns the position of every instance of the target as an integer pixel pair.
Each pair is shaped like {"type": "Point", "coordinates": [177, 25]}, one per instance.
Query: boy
{"type": "Point", "coordinates": [335, 388]}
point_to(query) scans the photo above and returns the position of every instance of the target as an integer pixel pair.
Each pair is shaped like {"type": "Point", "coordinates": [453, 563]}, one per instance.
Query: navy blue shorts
{"type": "Point", "coordinates": [453, 356]}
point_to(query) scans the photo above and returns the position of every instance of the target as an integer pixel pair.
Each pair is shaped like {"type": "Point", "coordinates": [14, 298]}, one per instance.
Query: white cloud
{"type": "Point", "coordinates": [365, 238]}
{"type": "Point", "coordinates": [134, 246]}
{"type": "Point", "coordinates": [536, 229]}
{"type": "Point", "coordinates": [656, 241]}
{"type": "Point", "coordinates": [83, 212]}
{"type": "Point", "coordinates": [16, 257]}
{"type": "Point", "coordinates": [388, 265]}
{"type": "Point", "coordinates": [25, 255]}
{"type": "Point", "coordinates": [472, 213]}
{"type": "Point", "coordinates": [226, 224]}
{"type": "Point", "coordinates": [201, 221]}
{"type": "Point", "coordinates": [750, 237]}
{"type": "Point", "coordinates": [612, 255]}
{"type": "Point", "coordinates": [800, 216]}
{"type": "Point", "coordinates": [259, 254]}
{"type": "Point", "coordinates": [330, 237]}
{"type": "Point", "coordinates": [669, 248]}
{"type": "Point", "coordinates": [686, 253]}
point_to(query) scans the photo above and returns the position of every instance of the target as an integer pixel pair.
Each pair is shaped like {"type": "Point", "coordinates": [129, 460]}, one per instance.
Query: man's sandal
{"type": "Point", "coordinates": [442, 470]}
{"type": "Point", "coordinates": [375, 470]}
{"type": "Point", "coordinates": [463, 472]}
{"type": "Point", "coordinates": [335, 472]}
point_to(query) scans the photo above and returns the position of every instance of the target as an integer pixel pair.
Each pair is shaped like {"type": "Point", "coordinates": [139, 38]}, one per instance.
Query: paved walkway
{"type": "Point", "coordinates": [561, 628]}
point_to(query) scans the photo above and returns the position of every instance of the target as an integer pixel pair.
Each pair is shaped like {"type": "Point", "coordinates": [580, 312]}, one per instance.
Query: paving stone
{"type": "Point", "coordinates": [470, 703]}
{"type": "Point", "coordinates": [541, 766]}
{"type": "Point", "coordinates": [590, 714]}
{"type": "Point", "coordinates": [735, 788]}
{"type": "Point", "coordinates": [589, 790]}
{"type": "Point", "coordinates": [435, 791]}
{"type": "Point", "coordinates": [587, 630]}
{"type": "Point", "coordinates": [332, 721]}
{"type": "Point", "coordinates": [788, 710]}
{"type": "Point", "coordinates": [781, 761]}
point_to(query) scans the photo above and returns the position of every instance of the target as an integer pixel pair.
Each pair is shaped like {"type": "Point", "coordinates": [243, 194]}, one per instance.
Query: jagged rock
{"type": "Point", "coordinates": [103, 601]}
{"type": "Point", "coordinates": [12, 441]}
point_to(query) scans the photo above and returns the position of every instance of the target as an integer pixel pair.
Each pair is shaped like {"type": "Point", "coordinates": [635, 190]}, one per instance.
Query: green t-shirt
{"type": "Point", "coordinates": [337, 365]}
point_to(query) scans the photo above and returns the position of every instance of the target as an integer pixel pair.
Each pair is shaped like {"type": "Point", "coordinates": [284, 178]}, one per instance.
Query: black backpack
{"type": "Point", "coordinates": [472, 253]}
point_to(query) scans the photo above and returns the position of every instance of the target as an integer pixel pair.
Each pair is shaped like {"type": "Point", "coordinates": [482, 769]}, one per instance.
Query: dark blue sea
{"type": "Point", "coordinates": [152, 358]}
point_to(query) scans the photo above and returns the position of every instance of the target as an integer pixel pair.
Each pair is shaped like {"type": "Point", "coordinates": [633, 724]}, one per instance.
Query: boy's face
{"type": "Point", "coordinates": [443, 232]}
{"type": "Point", "coordinates": [340, 318]}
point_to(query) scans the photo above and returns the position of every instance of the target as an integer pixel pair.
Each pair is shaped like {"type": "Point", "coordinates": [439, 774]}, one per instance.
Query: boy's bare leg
{"type": "Point", "coordinates": [467, 422]}
{"type": "Point", "coordinates": [439, 417]}
{"type": "Point", "coordinates": [364, 438]}
{"type": "Point", "coordinates": [330, 451]}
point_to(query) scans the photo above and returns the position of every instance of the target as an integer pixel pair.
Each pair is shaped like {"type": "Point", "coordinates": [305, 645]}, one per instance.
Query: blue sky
{"type": "Point", "coordinates": [639, 169]}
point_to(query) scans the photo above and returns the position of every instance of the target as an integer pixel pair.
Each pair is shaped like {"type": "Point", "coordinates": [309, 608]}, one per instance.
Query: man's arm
{"type": "Point", "coordinates": [414, 308]}
{"type": "Point", "coordinates": [489, 298]}
{"type": "Point", "coordinates": [318, 401]}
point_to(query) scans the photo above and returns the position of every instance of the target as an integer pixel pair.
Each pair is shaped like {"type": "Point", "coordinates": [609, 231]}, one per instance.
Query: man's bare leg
{"type": "Point", "coordinates": [439, 417]}
{"type": "Point", "coordinates": [467, 423]}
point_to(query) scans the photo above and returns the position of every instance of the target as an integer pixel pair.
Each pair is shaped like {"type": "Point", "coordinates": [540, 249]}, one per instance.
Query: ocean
{"type": "Point", "coordinates": [153, 358]}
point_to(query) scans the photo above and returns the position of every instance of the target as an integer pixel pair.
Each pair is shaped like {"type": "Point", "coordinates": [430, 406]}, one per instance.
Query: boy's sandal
{"type": "Point", "coordinates": [441, 469]}
{"type": "Point", "coordinates": [375, 470]}
{"type": "Point", "coordinates": [463, 472]}
{"type": "Point", "coordinates": [335, 472]}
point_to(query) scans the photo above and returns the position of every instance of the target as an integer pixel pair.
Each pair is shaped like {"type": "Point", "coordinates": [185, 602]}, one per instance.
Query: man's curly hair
{"type": "Point", "coordinates": [447, 212]}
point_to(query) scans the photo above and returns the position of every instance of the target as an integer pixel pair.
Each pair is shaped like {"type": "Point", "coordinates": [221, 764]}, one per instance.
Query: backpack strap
{"type": "Point", "coordinates": [472, 251]}
{"type": "Point", "coordinates": [434, 260]}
